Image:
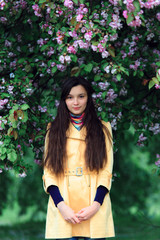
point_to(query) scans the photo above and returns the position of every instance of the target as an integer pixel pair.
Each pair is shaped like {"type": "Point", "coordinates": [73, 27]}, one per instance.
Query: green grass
{"type": "Point", "coordinates": [14, 227]}
{"type": "Point", "coordinates": [25, 231]}
{"type": "Point", "coordinates": [35, 231]}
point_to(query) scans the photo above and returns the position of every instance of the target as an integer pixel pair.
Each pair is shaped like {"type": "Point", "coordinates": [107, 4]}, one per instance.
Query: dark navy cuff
{"type": "Point", "coordinates": [55, 194]}
{"type": "Point", "coordinates": [100, 194]}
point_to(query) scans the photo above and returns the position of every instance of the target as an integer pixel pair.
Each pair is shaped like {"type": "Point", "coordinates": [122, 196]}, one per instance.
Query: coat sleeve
{"type": "Point", "coordinates": [105, 175]}
{"type": "Point", "coordinates": [48, 177]}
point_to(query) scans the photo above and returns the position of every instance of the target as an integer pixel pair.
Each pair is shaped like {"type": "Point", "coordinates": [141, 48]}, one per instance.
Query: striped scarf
{"type": "Point", "coordinates": [77, 120]}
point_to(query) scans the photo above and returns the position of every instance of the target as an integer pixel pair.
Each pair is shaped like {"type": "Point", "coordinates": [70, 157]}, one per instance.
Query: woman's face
{"type": "Point", "coordinates": [76, 100]}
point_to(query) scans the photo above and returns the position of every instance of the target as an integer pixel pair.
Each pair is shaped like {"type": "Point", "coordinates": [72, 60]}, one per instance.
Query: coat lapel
{"type": "Point", "coordinates": [72, 132]}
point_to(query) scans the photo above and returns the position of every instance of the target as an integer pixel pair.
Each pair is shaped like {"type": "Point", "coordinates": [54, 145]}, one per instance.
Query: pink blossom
{"type": "Point", "coordinates": [37, 10]}
{"type": "Point", "coordinates": [50, 32]}
{"type": "Point", "coordinates": [37, 161]}
{"type": "Point", "coordinates": [3, 102]}
{"type": "Point", "coordinates": [79, 17]}
{"type": "Point", "coordinates": [1, 170]}
{"type": "Point", "coordinates": [61, 59]}
{"type": "Point", "coordinates": [114, 2]}
{"type": "Point", "coordinates": [85, 10]}
{"type": "Point", "coordinates": [50, 52]}
{"type": "Point", "coordinates": [53, 64]}
{"type": "Point", "coordinates": [141, 140]}
{"type": "Point", "coordinates": [40, 42]}
{"type": "Point", "coordinates": [68, 4]}
{"type": "Point", "coordinates": [94, 48]}
{"type": "Point", "coordinates": [158, 16]}
{"type": "Point", "coordinates": [71, 49]}
{"type": "Point", "coordinates": [158, 71]}
{"type": "Point", "coordinates": [19, 146]}
{"type": "Point", "coordinates": [3, 19]}
{"type": "Point", "coordinates": [116, 23]}
{"type": "Point", "coordinates": [157, 163]}
{"type": "Point", "coordinates": [88, 36]}
{"type": "Point", "coordinates": [125, 14]}
{"type": "Point", "coordinates": [22, 175]}
{"type": "Point", "coordinates": [107, 69]}
{"type": "Point", "coordinates": [82, 44]}
{"type": "Point", "coordinates": [73, 34]}
{"type": "Point", "coordinates": [42, 109]}
{"type": "Point", "coordinates": [8, 43]}
{"type": "Point", "coordinates": [68, 59]}
{"type": "Point", "coordinates": [157, 86]}
{"type": "Point", "coordinates": [2, 4]}
{"type": "Point", "coordinates": [110, 96]}
{"type": "Point", "coordinates": [101, 48]}
{"type": "Point", "coordinates": [114, 37]}
{"type": "Point", "coordinates": [61, 67]}
{"type": "Point", "coordinates": [105, 54]}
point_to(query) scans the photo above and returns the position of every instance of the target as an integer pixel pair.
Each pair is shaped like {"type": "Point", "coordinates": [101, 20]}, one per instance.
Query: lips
{"type": "Point", "coordinates": [76, 108]}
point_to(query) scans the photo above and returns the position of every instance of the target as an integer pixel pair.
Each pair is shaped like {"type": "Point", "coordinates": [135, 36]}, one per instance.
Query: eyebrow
{"type": "Point", "coordinates": [78, 94]}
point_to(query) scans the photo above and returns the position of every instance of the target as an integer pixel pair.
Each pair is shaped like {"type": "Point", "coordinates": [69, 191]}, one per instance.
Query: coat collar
{"type": "Point", "coordinates": [72, 132]}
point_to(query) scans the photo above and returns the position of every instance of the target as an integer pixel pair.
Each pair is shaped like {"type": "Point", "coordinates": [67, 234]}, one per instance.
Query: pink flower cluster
{"type": "Point", "coordinates": [71, 49]}
{"type": "Point", "coordinates": [141, 140]}
{"type": "Point", "coordinates": [158, 16]}
{"type": "Point", "coordinates": [135, 66]}
{"type": "Point", "coordinates": [116, 23]}
{"type": "Point", "coordinates": [88, 36]}
{"type": "Point", "coordinates": [3, 102]}
{"type": "Point", "coordinates": [110, 96]}
{"type": "Point", "coordinates": [2, 4]}
{"type": "Point", "coordinates": [42, 109]}
{"type": "Point", "coordinates": [68, 4]}
{"type": "Point", "coordinates": [157, 163]}
{"type": "Point", "coordinates": [37, 10]}
{"type": "Point", "coordinates": [65, 59]}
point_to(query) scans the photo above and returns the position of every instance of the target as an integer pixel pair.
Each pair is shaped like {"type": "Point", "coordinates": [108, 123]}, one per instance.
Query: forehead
{"type": "Point", "coordinates": [79, 89]}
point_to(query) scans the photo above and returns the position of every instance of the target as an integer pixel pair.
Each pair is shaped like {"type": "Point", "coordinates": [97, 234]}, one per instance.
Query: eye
{"type": "Point", "coordinates": [82, 96]}
{"type": "Point", "coordinates": [69, 97]}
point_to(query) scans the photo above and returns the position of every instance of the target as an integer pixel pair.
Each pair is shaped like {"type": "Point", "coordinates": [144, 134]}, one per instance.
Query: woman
{"type": "Point", "coordinates": [78, 161]}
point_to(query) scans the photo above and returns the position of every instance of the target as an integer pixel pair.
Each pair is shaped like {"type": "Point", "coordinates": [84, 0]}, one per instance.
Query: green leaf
{"type": "Point", "coordinates": [25, 117]}
{"type": "Point", "coordinates": [3, 150]}
{"type": "Point", "coordinates": [88, 67]}
{"type": "Point", "coordinates": [130, 18]}
{"type": "Point", "coordinates": [158, 64]}
{"type": "Point", "coordinates": [74, 58]}
{"type": "Point", "coordinates": [151, 84]}
{"type": "Point", "coordinates": [97, 78]}
{"type": "Point", "coordinates": [118, 77]}
{"type": "Point", "coordinates": [22, 132]}
{"type": "Point", "coordinates": [42, 1]}
{"type": "Point", "coordinates": [137, 6]}
{"type": "Point", "coordinates": [54, 69]}
{"type": "Point", "coordinates": [21, 60]}
{"type": "Point", "coordinates": [155, 80]}
{"type": "Point", "coordinates": [2, 157]}
{"type": "Point", "coordinates": [104, 94]}
{"type": "Point", "coordinates": [75, 1]}
{"type": "Point", "coordinates": [12, 156]}
{"type": "Point", "coordinates": [25, 106]}
{"type": "Point", "coordinates": [103, 115]}
{"type": "Point", "coordinates": [15, 107]}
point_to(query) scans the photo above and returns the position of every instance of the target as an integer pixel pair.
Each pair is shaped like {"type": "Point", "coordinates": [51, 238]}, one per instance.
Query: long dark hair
{"type": "Point", "coordinates": [95, 154]}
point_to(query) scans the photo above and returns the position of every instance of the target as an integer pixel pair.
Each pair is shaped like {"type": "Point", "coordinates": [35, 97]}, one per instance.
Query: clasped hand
{"type": "Point", "coordinates": [84, 214]}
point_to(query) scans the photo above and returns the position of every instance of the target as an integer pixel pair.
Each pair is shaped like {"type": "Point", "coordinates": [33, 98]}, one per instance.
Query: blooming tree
{"type": "Point", "coordinates": [115, 44]}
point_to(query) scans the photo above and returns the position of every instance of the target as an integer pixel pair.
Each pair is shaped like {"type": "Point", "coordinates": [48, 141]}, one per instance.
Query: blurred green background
{"type": "Point", "coordinates": [135, 195]}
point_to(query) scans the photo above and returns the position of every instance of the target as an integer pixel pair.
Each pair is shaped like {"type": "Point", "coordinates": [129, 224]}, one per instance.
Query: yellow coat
{"type": "Point", "coordinates": [79, 191]}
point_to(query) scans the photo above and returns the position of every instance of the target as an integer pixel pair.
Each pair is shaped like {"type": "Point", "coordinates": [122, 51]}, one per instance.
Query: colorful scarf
{"type": "Point", "coordinates": [77, 120]}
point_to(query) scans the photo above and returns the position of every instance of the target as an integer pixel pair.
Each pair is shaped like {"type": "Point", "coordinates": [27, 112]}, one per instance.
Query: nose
{"type": "Point", "coordinates": [75, 101]}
